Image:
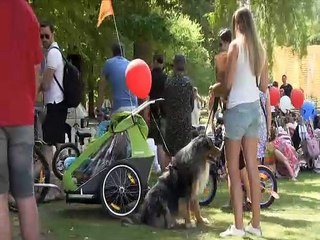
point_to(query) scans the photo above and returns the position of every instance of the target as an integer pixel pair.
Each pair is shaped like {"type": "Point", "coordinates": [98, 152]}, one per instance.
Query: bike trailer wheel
{"type": "Point", "coordinates": [121, 191]}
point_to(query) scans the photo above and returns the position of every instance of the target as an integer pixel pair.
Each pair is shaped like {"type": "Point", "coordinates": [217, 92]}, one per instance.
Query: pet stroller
{"type": "Point", "coordinates": [114, 169]}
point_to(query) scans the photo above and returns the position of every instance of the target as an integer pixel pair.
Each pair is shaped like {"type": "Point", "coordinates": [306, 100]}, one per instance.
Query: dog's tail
{"type": "Point", "coordinates": [131, 220]}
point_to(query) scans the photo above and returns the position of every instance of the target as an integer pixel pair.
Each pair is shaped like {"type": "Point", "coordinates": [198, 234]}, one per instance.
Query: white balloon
{"type": "Point", "coordinates": [285, 104]}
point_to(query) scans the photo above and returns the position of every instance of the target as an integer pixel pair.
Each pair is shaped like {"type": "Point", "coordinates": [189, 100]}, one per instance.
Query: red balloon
{"type": "Point", "coordinates": [138, 78]}
{"type": "Point", "coordinates": [297, 98]}
{"type": "Point", "coordinates": [274, 96]}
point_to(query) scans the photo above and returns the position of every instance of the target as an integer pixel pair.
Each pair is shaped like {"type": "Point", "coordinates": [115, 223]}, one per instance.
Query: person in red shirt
{"type": "Point", "coordinates": [20, 58]}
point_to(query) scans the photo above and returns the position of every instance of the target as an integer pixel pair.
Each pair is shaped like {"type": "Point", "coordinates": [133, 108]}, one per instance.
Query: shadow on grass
{"type": "Point", "coordinates": [285, 222]}
{"type": "Point", "coordinates": [93, 212]}
{"type": "Point", "coordinates": [288, 200]}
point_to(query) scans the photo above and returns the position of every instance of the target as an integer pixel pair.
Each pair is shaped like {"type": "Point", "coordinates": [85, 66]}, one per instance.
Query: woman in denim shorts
{"type": "Point", "coordinates": [246, 73]}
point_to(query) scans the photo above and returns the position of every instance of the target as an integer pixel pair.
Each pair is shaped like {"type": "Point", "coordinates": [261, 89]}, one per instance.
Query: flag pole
{"type": "Point", "coordinates": [122, 53]}
{"type": "Point", "coordinates": [117, 32]}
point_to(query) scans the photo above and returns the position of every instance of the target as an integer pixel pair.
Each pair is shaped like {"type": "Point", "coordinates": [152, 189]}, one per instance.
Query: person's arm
{"type": "Point", "coordinates": [231, 66]}
{"type": "Point", "coordinates": [264, 78]}
{"type": "Point", "coordinates": [53, 59]}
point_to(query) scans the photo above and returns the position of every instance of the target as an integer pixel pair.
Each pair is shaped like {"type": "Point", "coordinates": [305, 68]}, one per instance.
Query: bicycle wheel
{"type": "Point", "coordinates": [121, 191]}
{"type": "Point", "coordinates": [65, 151]}
{"type": "Point", "coordinates": [268, 185]}
{"type": "Point", "coordinates": [41, 174]}
{"type": "Point", "coordinates": [12, 204]}
{"type": "Point", "coordinates": [209, 192]}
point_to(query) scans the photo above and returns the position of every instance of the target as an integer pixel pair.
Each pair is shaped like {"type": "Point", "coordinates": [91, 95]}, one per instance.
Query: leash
{"type": "Point", "coordinates": [162, 138]}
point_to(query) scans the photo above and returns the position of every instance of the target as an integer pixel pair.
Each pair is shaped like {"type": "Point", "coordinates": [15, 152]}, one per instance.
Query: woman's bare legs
{"type": "Point", "coordinates": [232, 156]}
{"type": "Point", "coordinates": [281, 158]}
{"type": "Point", "coordinates": [249, 145]}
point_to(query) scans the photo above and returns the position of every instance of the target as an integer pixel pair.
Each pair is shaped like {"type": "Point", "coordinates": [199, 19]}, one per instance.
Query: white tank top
{"type": "Point", "coordinates": [244, 88]}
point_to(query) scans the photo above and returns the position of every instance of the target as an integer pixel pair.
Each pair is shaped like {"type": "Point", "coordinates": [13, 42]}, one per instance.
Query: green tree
{"type": "Point", "coordinates": [144, 26]}
{"type": "Point", "coordinates": [280, 23]}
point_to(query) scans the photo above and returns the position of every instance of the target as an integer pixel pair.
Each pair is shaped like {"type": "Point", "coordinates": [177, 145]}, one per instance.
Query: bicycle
{"type": "Point", "coordinates": [268, 182]}
{"type": "Point", "coordinates": [73, 149]}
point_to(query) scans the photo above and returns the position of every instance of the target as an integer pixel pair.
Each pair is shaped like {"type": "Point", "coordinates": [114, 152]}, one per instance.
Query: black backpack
{"type": "Point", "coordinates": [72, 84]}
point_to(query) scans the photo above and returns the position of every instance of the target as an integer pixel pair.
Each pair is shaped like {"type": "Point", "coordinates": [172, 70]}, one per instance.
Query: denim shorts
{"type": "Point", "coordinates": [16, 161]}
{"type": "Point", "coordinates": [242, 120]}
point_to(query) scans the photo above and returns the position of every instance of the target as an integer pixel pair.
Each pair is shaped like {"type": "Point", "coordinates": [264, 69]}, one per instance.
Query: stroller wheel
{"type": "Point", "coordinates": [121, 191]}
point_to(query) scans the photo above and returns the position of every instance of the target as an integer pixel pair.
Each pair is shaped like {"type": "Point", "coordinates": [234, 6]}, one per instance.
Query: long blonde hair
{"type": "Point", "coordinates": [243, 18]}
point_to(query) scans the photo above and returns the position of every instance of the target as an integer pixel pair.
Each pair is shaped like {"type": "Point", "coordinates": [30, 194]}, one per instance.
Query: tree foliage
{"type": "Point", "coordinates": [279, 23]}
{"type": "Point", "coordinates": [172, 26]}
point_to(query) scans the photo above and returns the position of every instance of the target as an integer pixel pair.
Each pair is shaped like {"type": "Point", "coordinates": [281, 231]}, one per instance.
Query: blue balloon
{"type": "Point", "coordinates": [308, 110]}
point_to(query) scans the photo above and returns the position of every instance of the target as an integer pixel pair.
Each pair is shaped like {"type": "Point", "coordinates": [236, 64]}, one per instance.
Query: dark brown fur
{"type": "Point", "coordinates": [191, 164]}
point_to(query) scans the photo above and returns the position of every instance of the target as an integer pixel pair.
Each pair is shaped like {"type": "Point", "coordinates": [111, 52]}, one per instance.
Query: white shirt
{"type": "Point", "coordinates": [244, 88]}
{"type": "Point", "coordinates": [54, 61]}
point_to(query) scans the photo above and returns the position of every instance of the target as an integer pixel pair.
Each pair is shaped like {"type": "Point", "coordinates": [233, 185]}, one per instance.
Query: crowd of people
{"type": "Point", "coordinates": [241, 90]}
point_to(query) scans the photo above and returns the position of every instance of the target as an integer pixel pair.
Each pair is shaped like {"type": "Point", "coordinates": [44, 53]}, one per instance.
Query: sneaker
{"type": "Point", "coordinates": [233, 231]}
{"type": "Point", "coordinates": [254, 231]}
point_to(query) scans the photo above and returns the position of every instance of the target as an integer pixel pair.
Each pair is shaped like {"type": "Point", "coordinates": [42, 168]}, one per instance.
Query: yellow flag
{"type": "Point", "coordinates": [106, 10]}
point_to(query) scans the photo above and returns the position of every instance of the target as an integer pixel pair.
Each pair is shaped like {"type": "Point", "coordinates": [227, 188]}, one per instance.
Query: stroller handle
{"type": "Point", "coordinates": [144, 105]}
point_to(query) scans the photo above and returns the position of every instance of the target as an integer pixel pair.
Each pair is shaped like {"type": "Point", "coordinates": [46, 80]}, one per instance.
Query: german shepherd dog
{"type": "Point", "coordinates": [178, 187]}
{"type": "Point", "coordinates": [192, 166]}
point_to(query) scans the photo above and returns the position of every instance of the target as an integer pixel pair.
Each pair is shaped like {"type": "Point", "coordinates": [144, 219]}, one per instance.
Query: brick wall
{"type": "Point", "coordinates": [302, 73]}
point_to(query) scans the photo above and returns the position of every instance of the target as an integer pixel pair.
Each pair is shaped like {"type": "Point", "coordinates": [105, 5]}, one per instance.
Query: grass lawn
{"type": "Point", "coordinates": [294, 216]}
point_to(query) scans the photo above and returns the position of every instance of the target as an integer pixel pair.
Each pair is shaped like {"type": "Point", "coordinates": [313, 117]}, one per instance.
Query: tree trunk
{"type": "Point", "coordinates": [90, 88]}
{"type": "Point", "coordinates": [91, 103]}
{"type": "Point", "coordinates": [143, 49]}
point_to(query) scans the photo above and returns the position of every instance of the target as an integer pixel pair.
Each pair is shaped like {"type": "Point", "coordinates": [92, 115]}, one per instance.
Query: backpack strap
{"type": "Point", "coordinates": [63, 57]}
{"type": "Point", "coordinates": [54, 76]}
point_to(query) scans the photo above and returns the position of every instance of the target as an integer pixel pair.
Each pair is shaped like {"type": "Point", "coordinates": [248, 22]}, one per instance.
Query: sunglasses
{"type": "Point", "coordinates": [44, 36]}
